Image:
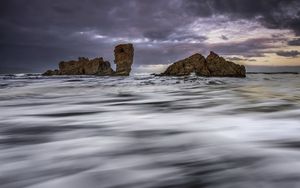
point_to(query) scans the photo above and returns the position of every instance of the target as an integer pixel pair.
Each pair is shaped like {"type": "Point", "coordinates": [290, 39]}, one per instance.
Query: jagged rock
{"type": "Point", "coordinates": [195, 63]}
{"type": "Point", "coordinates": [219, 67]}
{"type": "Point", "coordinates": [123, 59]}
{"type": "Point", "coordinates": [84, 66]}
{"type": "Point", "coordinates": [51, 72]}
{"type": "Point", "coordinates": [104, 68]}
{"type": "Point", "coordinates": [213, 65]}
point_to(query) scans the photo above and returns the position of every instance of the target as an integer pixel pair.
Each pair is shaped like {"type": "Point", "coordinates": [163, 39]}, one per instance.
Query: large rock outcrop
{"type": "Point", "coordinates": [84, 66]}
{"type": "Point", "coordinates": [212, 66]}
{"type": "Point", "coordinates": [219, 67]}
{"type": "Point", "coordinates": [123, 59]}
{"type": "Point", "coordinates": [193, 64]}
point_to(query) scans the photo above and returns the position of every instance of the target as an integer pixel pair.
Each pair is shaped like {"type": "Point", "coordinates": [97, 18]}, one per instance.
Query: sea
{"type": "Point", "coordinates": [144, 131]}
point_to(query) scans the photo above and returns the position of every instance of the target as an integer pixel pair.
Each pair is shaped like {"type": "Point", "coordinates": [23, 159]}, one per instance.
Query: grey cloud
{"type": "Point", "coordinates": [159, 34]}
{"type": "Point", "coordinates": [38, 34]}
{"type": "Point", "coordinates": [188, 37]}
{"type": "Point", "coordinates": [239, 59]}
{"type": "Point", "coordinates": [249, 48]}
{"type": "Point", "coordinates": [224, 37]}
{"type": "Point", "coordinates": [166, 53]}
{"type": "Point", "coordinates": [295, 42]}
{"type": "Point", "coordinates": [258, 68]}
{"type": "Point", "coordinates": [277, 14]}
{"type": "Point", "coordinates": [293, 53]}
{"type": "Point", "coordinates": [169, 52]}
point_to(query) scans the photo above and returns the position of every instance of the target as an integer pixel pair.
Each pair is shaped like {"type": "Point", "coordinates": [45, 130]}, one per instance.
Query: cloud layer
{"type": "Point", "coordinates": [38, 34]}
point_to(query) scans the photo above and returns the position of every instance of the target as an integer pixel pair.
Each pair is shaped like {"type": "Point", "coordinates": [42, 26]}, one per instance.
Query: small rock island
{"type": "Point", "coordinates": [212, 66]}
{"type": "Point", "coordinates": [83, 66]}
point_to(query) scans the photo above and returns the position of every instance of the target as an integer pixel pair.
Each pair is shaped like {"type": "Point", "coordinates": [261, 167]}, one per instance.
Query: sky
{"type": "Point", "coordinates": [261, 34]}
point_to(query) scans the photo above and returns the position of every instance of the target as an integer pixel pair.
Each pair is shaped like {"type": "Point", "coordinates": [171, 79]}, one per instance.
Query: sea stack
{"type": "Point", "coordinates": [212, 66]}
{"type": "Point", "coordinates": [123, 59]}
{"type": "Point", "coordinates": [98, 66]}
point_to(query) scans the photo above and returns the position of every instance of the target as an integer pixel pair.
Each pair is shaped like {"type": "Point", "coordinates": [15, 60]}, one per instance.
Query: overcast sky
{"type": "Point", "coordinates": [37, 34]}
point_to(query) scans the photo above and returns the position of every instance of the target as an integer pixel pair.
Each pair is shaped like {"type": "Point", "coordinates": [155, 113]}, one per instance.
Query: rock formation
{"type": "Point", "coordinates": [51, 72]}
{"type": "Point", "coordinates": [97, 66]}
{"type": "Point", "coordinates": [84, 66]}
{"type": "Point", "coordinates": [219, 67]}
{"type": "Point", "coordinates": [195, 63]}
{"type": "Point", "coordinates": [123, 59]}
{"type": "Point", "coordinates": [213, 65]}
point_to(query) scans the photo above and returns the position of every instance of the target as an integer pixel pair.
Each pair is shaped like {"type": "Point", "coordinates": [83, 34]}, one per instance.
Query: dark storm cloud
{"type": "Point", "coordinates": [188, 37]}
{"type": "Point", "coordinates": [247, 48]}
{"type": "Point", "coordinates": [224, 37]}
{"type": "Point", "coordinates": [158, 34]}
{"type": "Point", "coordinates": [295, 42]}
{"type": "Point", "coordinates": [37, 34]}
{"type": "Point", "coordinates": [277, 14]}
{"type": "Point", "coordinates": [34, 27]}
{"type": "Point", "coordinates": [293, 53]}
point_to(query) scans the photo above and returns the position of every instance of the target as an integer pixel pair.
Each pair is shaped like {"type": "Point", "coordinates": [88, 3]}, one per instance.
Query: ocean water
{"type": "Point", "coordinates": [149, 132]}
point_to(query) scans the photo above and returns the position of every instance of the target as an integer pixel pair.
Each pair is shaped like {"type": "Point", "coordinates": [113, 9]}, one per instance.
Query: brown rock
{"type": "Point", "coordinates": [213, 65]}
{"type": "Point", "coordinates": [84, 66]}
{"type": "Point", "coordinates": [123, 59]}
{"type": "Point", "coordinates": [195, 63]}
{"type": "Point", "coordinates": [73, 67]}
{"type": "Point", "coordinates": [104, 68]}
{"type": "Point", "coordinates": [219, 67]}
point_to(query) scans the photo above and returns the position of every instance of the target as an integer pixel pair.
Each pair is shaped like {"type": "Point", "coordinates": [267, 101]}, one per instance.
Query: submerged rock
{"type": "Point", "coordinates": [51, 72]}
{"type": "Point", "coordinates": [123, 59]}
{"type": "Point", "coordinates": [213, 65]}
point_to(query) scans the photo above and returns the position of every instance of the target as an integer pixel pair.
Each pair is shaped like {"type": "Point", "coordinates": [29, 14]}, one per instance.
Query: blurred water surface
{"type": "Point", "coordinates": [144, 131]}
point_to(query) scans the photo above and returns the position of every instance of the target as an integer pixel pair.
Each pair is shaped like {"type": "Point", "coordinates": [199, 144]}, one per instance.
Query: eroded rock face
{"type": "Point", "coordinates": [51, 72]}
{"type": "Point", "coordinates": [219, 67]}
{"type": "Point", "coordinates": [123, 59]}
{"type": "Point", "coordinates": [84, 66]}
{"type": "Point", "coordinates": [195, 63]}
{"type": "Point", "coordinates": [213, 65]}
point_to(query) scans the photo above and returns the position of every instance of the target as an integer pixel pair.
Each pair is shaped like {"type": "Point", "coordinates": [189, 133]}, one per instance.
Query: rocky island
{"type": "Point", "coordinates": [211, 66]}
{"type": "Point", "coordinates": [98, 66]}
